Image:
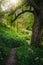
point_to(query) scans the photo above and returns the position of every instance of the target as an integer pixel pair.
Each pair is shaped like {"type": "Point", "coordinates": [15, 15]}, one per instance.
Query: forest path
{"type": "Point", "coordinates": [11, 59]}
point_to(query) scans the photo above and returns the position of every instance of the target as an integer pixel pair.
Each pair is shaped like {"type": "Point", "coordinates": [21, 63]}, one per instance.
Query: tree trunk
{"type": "Point", "coordinates": [37, 26]}
{"type": "Point", "coordinates": [36, 32]}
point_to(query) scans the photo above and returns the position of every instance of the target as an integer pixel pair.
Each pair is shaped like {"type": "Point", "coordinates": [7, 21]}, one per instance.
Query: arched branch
{"type": "Point", "coordinates": [26, 3]}
{"type": "Point", "coordinates": [20, 14]}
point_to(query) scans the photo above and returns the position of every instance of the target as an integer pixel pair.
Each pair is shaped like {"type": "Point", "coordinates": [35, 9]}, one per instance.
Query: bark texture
{"type": "Point", "coordinates": [38, 25]}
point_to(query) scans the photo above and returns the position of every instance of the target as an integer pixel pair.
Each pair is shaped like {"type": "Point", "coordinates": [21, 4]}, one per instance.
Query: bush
{"type": "Point", "coordinates": [29, 55]}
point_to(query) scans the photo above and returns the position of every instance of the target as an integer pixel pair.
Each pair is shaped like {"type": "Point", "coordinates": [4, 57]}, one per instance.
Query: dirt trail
{"type": "Point", "coordinates": [11, 60]}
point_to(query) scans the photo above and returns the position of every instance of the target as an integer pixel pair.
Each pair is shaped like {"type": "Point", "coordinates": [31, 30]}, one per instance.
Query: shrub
{"type": "Point", "coordinates": [29, 55]}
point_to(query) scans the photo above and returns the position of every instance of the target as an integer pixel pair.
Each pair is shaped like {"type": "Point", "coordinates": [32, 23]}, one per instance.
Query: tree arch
{"type": "Point", "coordinates": [20, 14]}
{"type": "Point", "coordinates": [38, 19]}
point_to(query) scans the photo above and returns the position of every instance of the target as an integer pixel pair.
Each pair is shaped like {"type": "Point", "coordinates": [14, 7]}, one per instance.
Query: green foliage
{"type": "Point", "coordinates": [29, 55]}
{"type": "Point", "coordinates": [26, 55]}
{"type": "Point", "coordinates": [8, 39]}
{"type": "Point", "coordinates": [26, 20]}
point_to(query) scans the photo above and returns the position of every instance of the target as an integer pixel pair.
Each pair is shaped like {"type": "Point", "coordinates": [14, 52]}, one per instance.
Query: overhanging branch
{"type": "Point", "coordinates": [20, 14]}
{"type": "Point", "coordinates": [30, 3]}
{"type": "Point", "coordinates": [17, 8]}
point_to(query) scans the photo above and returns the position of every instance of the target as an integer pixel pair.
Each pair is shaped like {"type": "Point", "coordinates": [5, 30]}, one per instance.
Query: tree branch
{"type": "Point", "coordinates": [27, 3]}
{"type": "Point", "coordinates": [34, 5]}
{"type": "Point", "coordinates": [20, 14]}
{"type": "Point", "coordinates": [17, 8]}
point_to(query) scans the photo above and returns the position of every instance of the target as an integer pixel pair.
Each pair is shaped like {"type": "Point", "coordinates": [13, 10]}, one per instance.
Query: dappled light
{"type": "Point", "coordinates": [10, 4]}
{"type": "Point", "coordinates": [14, 1]}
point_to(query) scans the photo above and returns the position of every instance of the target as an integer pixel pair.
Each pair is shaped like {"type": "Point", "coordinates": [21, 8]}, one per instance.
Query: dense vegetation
{"type": "Point", "coordinates": [21, 28]}
{"type": "Point", "coordinates": [9, 39]}
{"type": "Point", "coordinates": [29, 55]}
{"type": "Point", "coordinates": [26, 55]}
